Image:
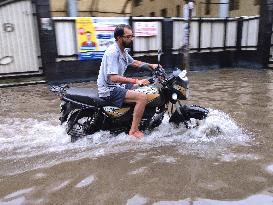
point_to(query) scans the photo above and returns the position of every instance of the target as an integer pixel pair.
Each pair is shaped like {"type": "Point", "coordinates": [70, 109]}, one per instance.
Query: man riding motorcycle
{"type": "Point", "coordinates": [113, 86]}
{"type": "Point", "coordinates": [118, 106]}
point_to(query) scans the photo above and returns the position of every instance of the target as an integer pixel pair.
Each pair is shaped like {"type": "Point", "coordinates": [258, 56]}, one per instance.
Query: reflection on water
{"type": "Point", "coordinates": [226, 160]}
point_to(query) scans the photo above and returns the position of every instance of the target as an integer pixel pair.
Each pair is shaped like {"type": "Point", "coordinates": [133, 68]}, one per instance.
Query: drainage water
{"type": "Point", "coordinates": [226, 160]}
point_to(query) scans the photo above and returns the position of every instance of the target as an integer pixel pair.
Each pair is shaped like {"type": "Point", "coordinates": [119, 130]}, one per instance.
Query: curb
{"type": "Point", "coordinates": [22, 84]}
{"type": "Point", "coordinates": [21, 75]}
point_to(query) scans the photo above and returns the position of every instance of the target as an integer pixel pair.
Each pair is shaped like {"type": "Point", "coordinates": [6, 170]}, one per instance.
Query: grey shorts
{"type": "Point", "coordinates": [117, 95]}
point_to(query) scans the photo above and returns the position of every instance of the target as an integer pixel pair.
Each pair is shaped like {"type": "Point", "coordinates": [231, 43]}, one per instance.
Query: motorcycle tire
{"type": "Point", "coordinates": [81, 123]}
{"type": "Point", "coordinates": [188, 112]}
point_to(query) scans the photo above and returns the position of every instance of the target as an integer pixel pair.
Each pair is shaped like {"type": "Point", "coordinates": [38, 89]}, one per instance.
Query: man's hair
{"type": "Point", "coordinates": [119, 30]}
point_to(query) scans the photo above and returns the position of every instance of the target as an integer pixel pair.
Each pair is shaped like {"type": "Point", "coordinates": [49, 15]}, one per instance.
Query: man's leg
{"type": "Point", "coordinates": [141, 100]}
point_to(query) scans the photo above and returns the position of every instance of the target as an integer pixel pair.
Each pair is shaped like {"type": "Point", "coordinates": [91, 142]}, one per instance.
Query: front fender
{"type": "Point", "coordinates": [186, 112]}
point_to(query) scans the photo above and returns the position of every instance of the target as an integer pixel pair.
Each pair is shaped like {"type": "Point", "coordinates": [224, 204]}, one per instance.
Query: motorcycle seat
{"type": "Point", "coordinates": [87, 96]}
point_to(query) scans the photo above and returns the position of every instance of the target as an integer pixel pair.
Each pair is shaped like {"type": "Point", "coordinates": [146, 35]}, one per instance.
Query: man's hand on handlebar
{"type": "Point", "coordinates": [143, 82]}
{"type": "Point", "coordinates": [154, 66]}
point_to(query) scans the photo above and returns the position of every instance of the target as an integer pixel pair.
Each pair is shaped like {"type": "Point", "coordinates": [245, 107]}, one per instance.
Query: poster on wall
{"type": "Point", "coordinates": [146, 29]}
{"type": "Point", "coordinates": [95, 34]}
{"type": "Point", "coordinates": [86, 38]}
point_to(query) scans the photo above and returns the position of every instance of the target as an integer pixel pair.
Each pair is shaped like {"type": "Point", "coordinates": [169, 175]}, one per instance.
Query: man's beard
{"type": "Point", "coordinates": [127, 44]}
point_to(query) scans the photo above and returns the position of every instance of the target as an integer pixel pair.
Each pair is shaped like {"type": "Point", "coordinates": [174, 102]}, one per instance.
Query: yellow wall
{"type": "Point", "coordinates": [114, 8]}
{"type": "Point", "coordinates": [246, 8]}
{"type": "Point", "coordinates": [58, 8]}
{"type": "Point", "coordinates": [92, 8]}
{"type": "Point", "coordinates": [148, 6]}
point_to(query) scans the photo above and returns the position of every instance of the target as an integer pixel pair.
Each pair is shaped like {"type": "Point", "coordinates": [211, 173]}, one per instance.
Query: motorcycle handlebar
{"type": "Point", "coordinates": [160, 73]}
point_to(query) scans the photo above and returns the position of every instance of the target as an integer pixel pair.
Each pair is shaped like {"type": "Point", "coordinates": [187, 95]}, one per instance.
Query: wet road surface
{"type": "Point", "coordinates": [39, 164]}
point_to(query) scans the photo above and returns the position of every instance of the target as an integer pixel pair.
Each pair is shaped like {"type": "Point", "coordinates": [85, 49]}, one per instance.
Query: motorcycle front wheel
{"type": "Point", "coordinates": [188, 112]}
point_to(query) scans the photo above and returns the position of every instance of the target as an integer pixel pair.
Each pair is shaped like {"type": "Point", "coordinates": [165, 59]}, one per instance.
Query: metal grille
{"type": "Point", "coordinates": [19, 47]}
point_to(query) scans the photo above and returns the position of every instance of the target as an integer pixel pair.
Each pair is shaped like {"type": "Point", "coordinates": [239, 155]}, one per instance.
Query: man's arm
{"type": "Point", "coordinates": [121, 79]}
{"type": "Point", "coordinates": [125, 80]}
{"type": "Point", "coordinates": [140, 64]}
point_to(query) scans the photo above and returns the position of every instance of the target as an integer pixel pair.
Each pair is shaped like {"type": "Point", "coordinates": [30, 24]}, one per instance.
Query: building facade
{"type": "Point", "coordinates": [157, 8]}
{"type": "Point", "coordinates": [88, 8]}
{"type": "Point", "coordinates": [203, 8]}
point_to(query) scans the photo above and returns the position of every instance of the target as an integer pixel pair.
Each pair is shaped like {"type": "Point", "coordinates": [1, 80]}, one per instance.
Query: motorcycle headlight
{"type": "Point", "coordinates": [174, 96]}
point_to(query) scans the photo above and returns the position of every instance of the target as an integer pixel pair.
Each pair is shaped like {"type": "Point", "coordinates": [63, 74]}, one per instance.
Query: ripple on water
{"type": "Point", "coordinates": [86, 182]}
{"type": "Point", "coordinates": [166, 159]}
{"type": "Point", "coordinates": [18, 197]}
{"type": "Point", "coordinates": [138, 171]}
{"type": "Point", "coordinates": [238, 156]}
{"type": "Point", "coordinates": [261, 199]}
{"type": "Point", "coordinates": [17, 201]}
{"type": "Point", "coordinates": [19, 193]}
{"type": "Point", "coordinates": [59, 185]}
{"type": "Point", "coordinates": [137, 200]}
{"type": "Point", "coordinates": [269, 169]}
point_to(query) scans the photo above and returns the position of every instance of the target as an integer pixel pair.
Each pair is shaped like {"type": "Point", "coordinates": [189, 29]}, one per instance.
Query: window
{"type": "Point", "coordinates": [152, 14]}
{"type": "Point", "coordinates": [207, 7]}
{"type": "Point", "coordinates": [178, 13]}
{"type": "Point", "coordinates": [234, 5]}
{"type": "Point", "coordinates": [137, 2]}
{"type": "Point", "coordinates": [257, 2]}
{"type": "Point", "coordinates": [164, 12]}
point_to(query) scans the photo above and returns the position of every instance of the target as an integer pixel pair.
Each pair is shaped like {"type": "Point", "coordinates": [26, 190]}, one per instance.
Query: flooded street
{"type": "Point", "coordinates": [39, 164]}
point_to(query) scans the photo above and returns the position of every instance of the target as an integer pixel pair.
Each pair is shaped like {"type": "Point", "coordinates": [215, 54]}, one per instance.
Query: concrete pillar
{"type": "Point", "coordinates": [167, 41]}
{"type": "Point", "coordinates": [72, 9]}
{"type": "Point", "coordinates": [223, 9]}
{"type": "Point", "coordinates": [46, 36]}
{"type": "Point", "coordinates": [265, 31]}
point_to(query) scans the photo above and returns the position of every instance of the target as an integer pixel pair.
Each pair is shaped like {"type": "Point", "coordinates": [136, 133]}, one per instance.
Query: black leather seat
{"type": "Point", "coordinates": [87, 96]}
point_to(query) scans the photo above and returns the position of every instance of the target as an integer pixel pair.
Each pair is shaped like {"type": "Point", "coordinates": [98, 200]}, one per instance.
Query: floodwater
{"type": "Point", "coordinates": [39, 164]}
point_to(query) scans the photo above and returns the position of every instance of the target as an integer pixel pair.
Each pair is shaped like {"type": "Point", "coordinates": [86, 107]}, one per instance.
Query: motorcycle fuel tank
{"type": "Point", "coordinates": [153, 95]}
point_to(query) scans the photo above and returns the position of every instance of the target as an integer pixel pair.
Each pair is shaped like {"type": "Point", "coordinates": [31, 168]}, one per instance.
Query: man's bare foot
{"type": "Point", "coordinates": [136, 134]}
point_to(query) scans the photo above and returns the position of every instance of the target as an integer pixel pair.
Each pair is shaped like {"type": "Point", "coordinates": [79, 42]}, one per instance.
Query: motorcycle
{"type": "Point", "coordinates": [85, 113]}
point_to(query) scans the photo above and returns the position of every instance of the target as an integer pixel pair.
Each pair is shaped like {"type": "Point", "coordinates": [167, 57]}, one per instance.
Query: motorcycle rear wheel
{"type": "Point", "coordinates": [82, 123]}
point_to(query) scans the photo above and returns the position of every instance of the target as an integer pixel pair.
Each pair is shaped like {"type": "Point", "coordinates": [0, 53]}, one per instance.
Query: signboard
{"type": "Point", "coordinates": [86, 38]}
{"type": "Point", "coordinates": [95, 34]}
{"type": "Point", "coordinates": [146, 29]}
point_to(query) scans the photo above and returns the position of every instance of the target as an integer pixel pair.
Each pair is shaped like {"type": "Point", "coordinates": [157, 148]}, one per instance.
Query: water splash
{"type": "Point", "coordinates": [46, 142]}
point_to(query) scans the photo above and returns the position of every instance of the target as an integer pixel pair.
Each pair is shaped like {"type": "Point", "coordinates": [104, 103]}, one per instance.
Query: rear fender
{"type": "Point", "coordinates": [66, 108]}
{"type": "Point", "coordinates": [186, 112]}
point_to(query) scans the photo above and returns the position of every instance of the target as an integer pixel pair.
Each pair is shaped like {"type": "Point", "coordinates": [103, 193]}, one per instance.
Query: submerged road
{"type": "Point", "coordinates": [39, 164]}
